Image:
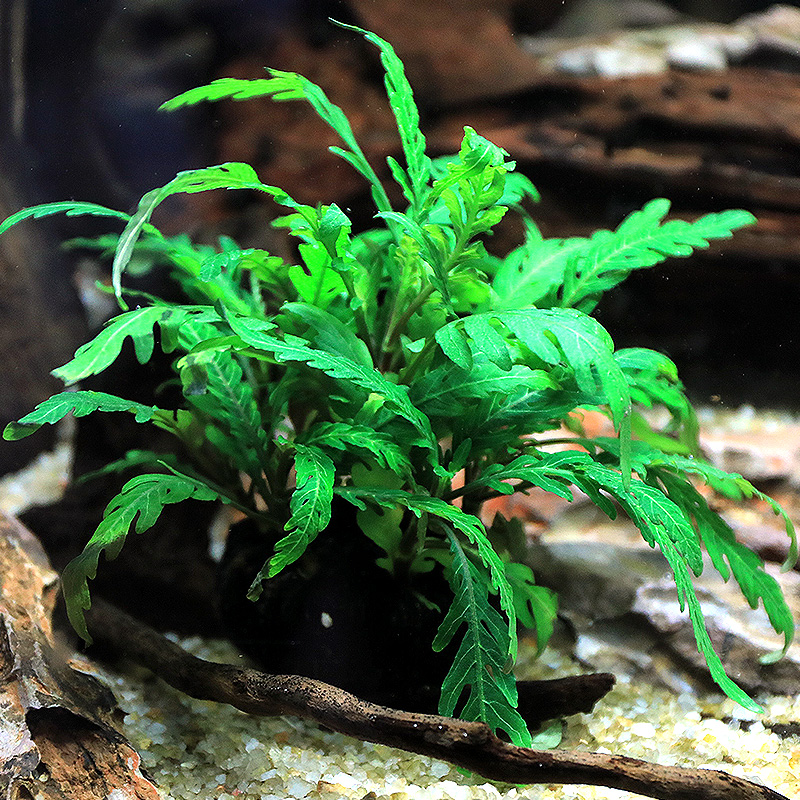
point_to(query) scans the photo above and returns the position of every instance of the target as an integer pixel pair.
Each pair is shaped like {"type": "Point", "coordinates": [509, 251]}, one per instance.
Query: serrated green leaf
{"type": "Point", "coordinates": [536, 607]}
{"type": "Point", "coordinates": [555, 336]}
{"type": "Point", "coordinates": [663, 523]}
{"type": "Point", "coordinates": [282, 86]}
{"type": "Point", "coordinates": [139, 504]}
{"type": "Point", "coordinates": [553, 472]}
{"type": "Point", "coordinates": [401, 101]}
{"type": "Point", "coordinates": [641, 240]}
{"type": "Point", "coordinates": [69, 207]}
{"type": "Point", "coordinates": [532, 273]}
{"type": "Point", "coordinates": [317, 283]}
{"type": "Point", "coordinates": [310, 505]}
{"type": "Point", "coordinates": [329, 333]}
{"type": "Point", "coordinates": [293, 348]}
{"type": "Point", "coordinates": [481, 663]}
{"type": "Point", "coordinates": [103, 350]}
{"type": "Point", "coordinates": [80, 403]}
{"type": "Point", "coordinates": [729, 556]}
{"type": "Point", "coordinates": [660, 521]}
{"type": "Point", "coordinates": [232, 175]}
{"type": "Point", "coordinates": [441, 390]}
{"type": "Point", "coordinates": [688, 598]}
{"type": "Point", "coordinates": [214, 383]}
{"type": "Point", "coordinates": [646, 458]}
{"type": "Point", "coordinates": [361, 440]}
{"type": "Point", "coordinates": [221, 89]}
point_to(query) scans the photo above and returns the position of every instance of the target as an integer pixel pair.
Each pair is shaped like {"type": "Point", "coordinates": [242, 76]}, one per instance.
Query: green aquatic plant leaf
{"type": "Point", "coordinates": [362, 441]}
{"type": "Point", "coordinates": [213, 382]}
{"type": "Point", "coordinates": [555, 337]}
{"type": "Point", "coordinates": [532, 274]}
{"type": "Point", "coordinates": [310, 505]}
{"type": "Point", "coordinates": [292, 348]}
{"type": "Point", "coordinates": [642, 240]}
{"type": "Point", "coordinates": [137, 506]}
{"type": "Point", "coordinates": [79, 403]}
{"type": "Point", "coordinates": [731, 557]}
{"type": "Point", "coordinates": [69, 208]}
{"type": "Point", "coordinates": [283, 86]}
{"type": "Point", "coordinates": [645, 459]}
{"type": "Point", "coordinates": [481, 666]}
{"type": "Point", "coordinates": [414, 181]}
{"type": "Point", "coordinates": [666, 524]}
{"type": "Point", "coordinates": [138, 326]}
{"type": "Point", "coordinates": [232, 175]}
{"type": "Point", "coordinates": [536, 607]}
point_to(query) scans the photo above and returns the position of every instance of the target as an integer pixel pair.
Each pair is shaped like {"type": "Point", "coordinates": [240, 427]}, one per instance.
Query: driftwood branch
{"type": "Point", "coordinates": [470, 745]}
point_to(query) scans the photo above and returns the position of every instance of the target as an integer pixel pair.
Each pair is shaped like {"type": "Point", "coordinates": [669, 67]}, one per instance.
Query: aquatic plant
{"type": "Point", "coordinates": [415, 376]}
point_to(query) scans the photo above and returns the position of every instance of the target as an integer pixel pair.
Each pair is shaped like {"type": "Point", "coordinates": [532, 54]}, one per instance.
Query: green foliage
{"type": "Point", "coordinates": [139, 504]}
{"type": "Point", "coordinates": [55, 408]}
{"type": "Point", "coordinates": [310, 505]}
{"type": "Point", "coordinates": [404, 369]}
{"type": "Point", "coordinates": [480, 666]}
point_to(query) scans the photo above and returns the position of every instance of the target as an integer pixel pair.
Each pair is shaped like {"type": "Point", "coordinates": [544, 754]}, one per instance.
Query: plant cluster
{"type": "Point", "coordinates": [409, 372]}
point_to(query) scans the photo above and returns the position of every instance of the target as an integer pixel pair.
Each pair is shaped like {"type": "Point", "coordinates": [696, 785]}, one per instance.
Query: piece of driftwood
{"type": "Point", "coordinates": [470, 745]}
{"type": "Point", "coordinates": [706, 140]}
{"type": "Point", "coordinates": [58, 729]}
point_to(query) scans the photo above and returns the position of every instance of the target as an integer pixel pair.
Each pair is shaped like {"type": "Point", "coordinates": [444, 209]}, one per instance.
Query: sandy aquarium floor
{"type": "Point", "coordinates": [197, 749]}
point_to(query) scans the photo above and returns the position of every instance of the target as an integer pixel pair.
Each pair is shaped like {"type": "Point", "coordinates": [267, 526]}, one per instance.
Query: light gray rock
{"type": "Point", "coordinates": [618, 597]}
{"type": "Point", "coordinates": [741, 636]}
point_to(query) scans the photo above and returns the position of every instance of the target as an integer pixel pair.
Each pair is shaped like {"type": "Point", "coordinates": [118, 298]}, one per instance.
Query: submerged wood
{"type": "Point", "coordinates": [59, 738]}
{"type": "Point", "coordinates": [470, 745]}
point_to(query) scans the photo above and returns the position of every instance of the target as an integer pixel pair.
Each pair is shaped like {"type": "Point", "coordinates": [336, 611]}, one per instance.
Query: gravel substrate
{"type": "Point", "coordinates": [198, 749]}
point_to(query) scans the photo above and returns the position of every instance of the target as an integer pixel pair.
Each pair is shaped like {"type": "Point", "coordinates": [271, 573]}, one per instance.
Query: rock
{"type": "Point", "coordinates": [777, 28]}
{"type": "Point", "coordinates": [619, 598]}
{"type": "Point", "coordinates": [740, 635]}
{"type": "Point", "coordinates": [758, 454]}
{"type": "Point", "coordinates": [592, 17]}
{"type": "Point", "coordinates": [697, 52]}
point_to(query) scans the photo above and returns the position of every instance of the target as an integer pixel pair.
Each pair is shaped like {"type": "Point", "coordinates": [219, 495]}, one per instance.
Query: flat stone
{"type": "Point", "coordinates": [620, 601]}
{"type": "Point", "coordinates": [758, 455]}
{"type": "Point", "coordinates": [740, 635]}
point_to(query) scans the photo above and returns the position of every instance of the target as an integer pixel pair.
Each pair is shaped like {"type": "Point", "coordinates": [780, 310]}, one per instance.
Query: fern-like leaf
{"type": "Point", "coordinates": [81, 403]}
{"type": "Point", "coordinates": [214, 383]}
{"type": "Point", "coordinates": [729, 556]}
{"type": "Point", "coordinates": [532, 273]}
{"type": "Point", "coordinates": [139, 504]}
{"type": "Point", "coordinates": [293, 348]}
{"type": "Point", "coordinates": [103, 350]}
{"type": "Point", "coordinates": [535, 606]}
{"type": "Point", "coordinates": [68, 207]}
{"type": "Point", "coordinates": [481, 666]}
{"type": "Point", "coordinates": [232, 175]}
{"type": "Point", "coordinates": [665, 524]}
{"type": "Point", "coordinates": [646, 459]}
{"type": "Point", "coordinates": [282, 86]}
{"type": "Point", "coordinates": [310, 505]}
{"type": "Point", "coordinates": [641, 240]}
{"type": "Point", "coordinates": [555, 336]}
{"type": "Point", "coordinates": [360, 440]}
{"type": "Point", "coordinates": [401, 100]}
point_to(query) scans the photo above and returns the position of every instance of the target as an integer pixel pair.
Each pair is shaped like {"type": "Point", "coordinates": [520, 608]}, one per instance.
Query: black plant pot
{"type": "Point", "coordinates": [336, 616]}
